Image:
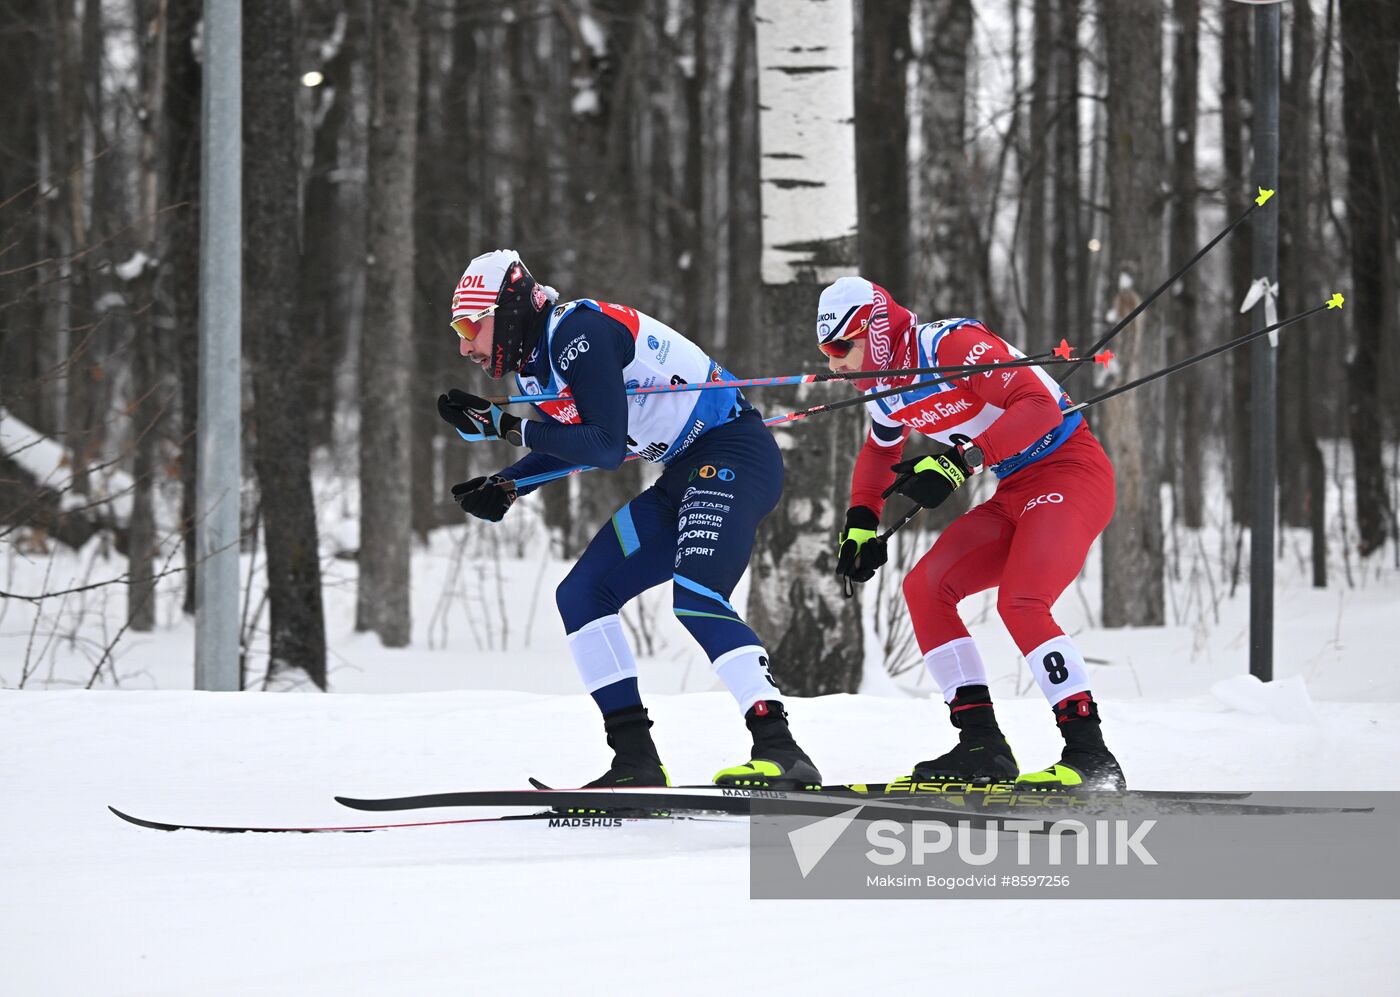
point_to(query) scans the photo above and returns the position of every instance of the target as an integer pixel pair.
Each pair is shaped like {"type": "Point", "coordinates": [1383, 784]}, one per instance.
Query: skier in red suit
{"type": "Point", "coordinates": [1054, 496]}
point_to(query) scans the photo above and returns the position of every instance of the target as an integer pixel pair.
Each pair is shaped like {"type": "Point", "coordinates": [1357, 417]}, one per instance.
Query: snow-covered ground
{"type": "Point", "coordinates": [91, 905]}
{"type": "Point", "coordinates": [485, 698]}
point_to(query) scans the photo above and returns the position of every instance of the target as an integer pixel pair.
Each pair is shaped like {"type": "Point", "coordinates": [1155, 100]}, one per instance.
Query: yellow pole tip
{"type": "Point", "coordinates": [1336, 301]}
{"type": "Point", "coordinates": [1264, 194]}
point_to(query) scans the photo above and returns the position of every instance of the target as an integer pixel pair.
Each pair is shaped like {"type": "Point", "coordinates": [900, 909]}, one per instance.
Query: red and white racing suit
{"type": "Point", "coordinates": [1030, 539]}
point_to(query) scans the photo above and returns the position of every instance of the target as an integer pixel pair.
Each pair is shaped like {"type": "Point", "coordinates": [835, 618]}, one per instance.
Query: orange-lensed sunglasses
{"type": "Point", "coordinates": [468, 326]}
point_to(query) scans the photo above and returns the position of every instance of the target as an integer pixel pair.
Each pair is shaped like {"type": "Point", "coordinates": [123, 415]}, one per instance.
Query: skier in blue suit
{"type": "Point", "coordinates": [693, 528]}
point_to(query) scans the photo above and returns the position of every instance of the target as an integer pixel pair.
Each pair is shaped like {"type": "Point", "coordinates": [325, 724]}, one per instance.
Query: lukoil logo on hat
{"type": "Point", "coordinates": [844, 309]}
{"type": "Point", "coordinates": [481, 282]}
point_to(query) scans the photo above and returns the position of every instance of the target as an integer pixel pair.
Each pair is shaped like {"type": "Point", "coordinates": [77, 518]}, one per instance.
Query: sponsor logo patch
{"type": "Point", "coordinates": [1050, 498]}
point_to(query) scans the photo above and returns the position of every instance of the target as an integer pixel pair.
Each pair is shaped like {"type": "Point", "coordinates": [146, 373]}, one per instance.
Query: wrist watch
{"type": "Point", "coordinates": [972, 457]}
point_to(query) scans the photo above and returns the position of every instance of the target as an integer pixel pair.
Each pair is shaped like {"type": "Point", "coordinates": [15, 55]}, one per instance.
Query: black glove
{"type": "Point", "coordinates": [486, 498]}
{"type": "Point", "coordinates": [930, 480]}
{"type": "Point", "coordinates": [859, 551]}
{"type": "Point", "coordinates": [477, 419]}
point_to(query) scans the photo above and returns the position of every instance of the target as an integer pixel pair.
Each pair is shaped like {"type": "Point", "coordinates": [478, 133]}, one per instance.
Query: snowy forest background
{"type": "Point", "coordinates": [1035, 164]}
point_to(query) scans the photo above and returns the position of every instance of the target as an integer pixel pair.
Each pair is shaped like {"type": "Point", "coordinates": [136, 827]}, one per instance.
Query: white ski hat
{"type": "Point", "coordinates": [481, 282]}
{"type": "Point", "coordinates": [844, 309]}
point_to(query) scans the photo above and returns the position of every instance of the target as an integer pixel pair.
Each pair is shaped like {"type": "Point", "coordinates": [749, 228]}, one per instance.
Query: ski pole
{"type": "Point", "coordinates": [1260, 200]}
{"type": "Point", "coordinates": [1335, 301]}
{"type": "Point", "coordinates": [777, 420]}
{"type": "Point", "coordinates": [1058, 356]}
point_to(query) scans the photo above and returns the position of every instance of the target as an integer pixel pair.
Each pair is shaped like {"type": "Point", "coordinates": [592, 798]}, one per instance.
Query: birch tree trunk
{"type": "Point", "coordinates": [808, 186]}
{"type": "Point", "coordinates": [386, 344]}
{"type": "Point", "coordinates": [1131, 429]}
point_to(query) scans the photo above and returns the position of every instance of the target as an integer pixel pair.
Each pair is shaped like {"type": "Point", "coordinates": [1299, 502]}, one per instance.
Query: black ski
{"type": "Point", "coordinates": [904, 787]}
{"type": "Point", "coordinates": [551, 818]}
{"type": "Point", "coordinates": [978, 806]}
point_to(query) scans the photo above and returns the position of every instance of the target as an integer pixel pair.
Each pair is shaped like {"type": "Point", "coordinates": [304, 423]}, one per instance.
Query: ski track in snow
{"type": "Point", "coordinates": [91, 905]}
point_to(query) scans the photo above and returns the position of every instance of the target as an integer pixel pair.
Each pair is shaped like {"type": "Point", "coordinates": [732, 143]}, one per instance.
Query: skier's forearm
{"type": "Point", "coordinates": [872, 474]}
{"type": "Point", "coordinates": [593, 443]}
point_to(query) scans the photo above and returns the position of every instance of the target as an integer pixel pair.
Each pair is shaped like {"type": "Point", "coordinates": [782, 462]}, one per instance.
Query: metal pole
{"type": "Point", "coordinates": [220, 326]}
{"type": "Point", "coordinates": [1263, 485]}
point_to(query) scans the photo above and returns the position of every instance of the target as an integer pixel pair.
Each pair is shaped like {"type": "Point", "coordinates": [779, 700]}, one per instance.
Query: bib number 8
{"type": "Point", "coordinates": [1055, 669]}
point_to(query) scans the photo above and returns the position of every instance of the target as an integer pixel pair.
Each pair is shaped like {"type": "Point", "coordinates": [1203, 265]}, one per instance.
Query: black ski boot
{"type": "Point", "coordinates": [776, 762]}
{"type": "Point", "coordinates": [1086, 763]}
{"type": "Point", "coordinates": [982, 756]}
{"type": "Point", "coordinates": [635, 761]}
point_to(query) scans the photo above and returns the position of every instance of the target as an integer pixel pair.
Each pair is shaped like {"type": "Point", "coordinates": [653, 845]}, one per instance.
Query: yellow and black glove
{"type": "Point", "coordinates": [859, 550]}
{"type": "Point", "coordinates": [930, 480]}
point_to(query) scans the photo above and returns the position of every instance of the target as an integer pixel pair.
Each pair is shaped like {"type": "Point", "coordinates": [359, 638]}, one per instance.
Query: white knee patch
{"type": "Point", "coordinates": [744, 671]}
{"type": "Point", "coordinates": [601, 653]}
{"type": "Point", "coordinates": [1058, 668]}
{"type": "Point", "coordinates": [956, 663]}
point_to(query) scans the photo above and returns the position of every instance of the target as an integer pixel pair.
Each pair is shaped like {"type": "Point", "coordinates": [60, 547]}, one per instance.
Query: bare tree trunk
{"type": "Point", "coordinates": [323, 308]}
{"type": "Point", "coordinates": [386, 346]}
{"type": "Point", "coordinates": [882, 143]}
{"type": "Point", "coordinates": [1370, 51]}
{"type": "Point", "coordinates": [1187, 393]}
{"type": "Point", "coordinates": [943, 173]}
{"type": "Point", "coordinates": [1302, 472]}
{"type": "Point", "coordinates": [435, 345]}
{"type": "Point", "coordinates": [272, 267]}
{"type": "Point", "coordinates": [146, 411]}
{"type": "Point", "coordinates": [146, 388]}
{"type": "Point", "coordinates": [1133, 592]}
{"type": "Point", "coordinates": [1034, 162]}
{"type": "Point", "coordinates": [20, 316]}
{"type": "Point", "coordinates": [180, 260]}
{"type": "Point", "coordinates": [1068, 262]}
{"type": "Point", "coordinates": [75, 318]}
{"type": "Point", "coordinates": [809, 220]}
{"type": "Point", "coordinates": [715, 133]}
{"type": "Point", "coordinates": [1236, 75]}
{"type": "Point", "coordinates": [746, 202]}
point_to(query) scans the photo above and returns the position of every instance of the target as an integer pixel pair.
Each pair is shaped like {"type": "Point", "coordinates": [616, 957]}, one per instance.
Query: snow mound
{"type": "Point", "coordinates": [1286, 700]}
